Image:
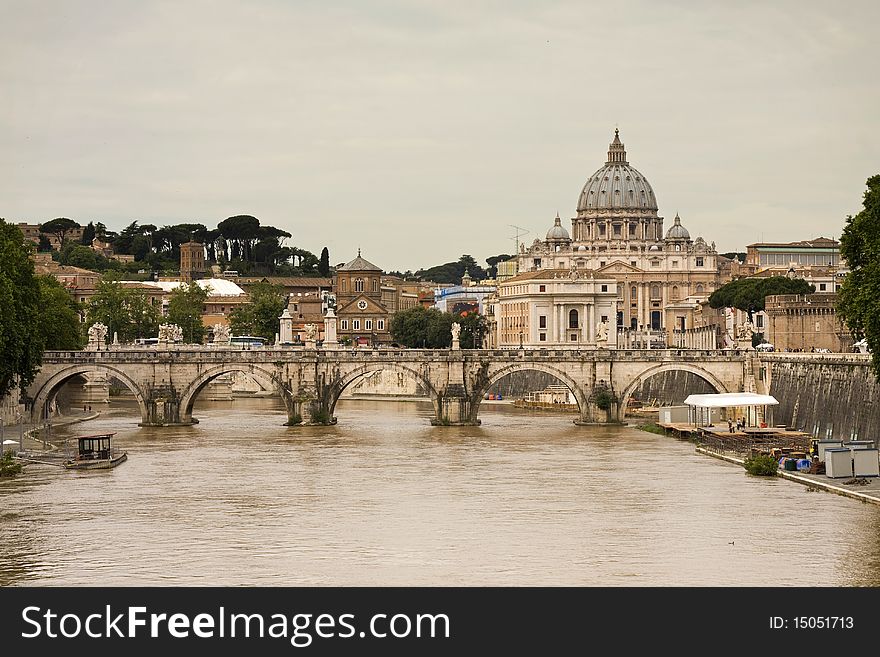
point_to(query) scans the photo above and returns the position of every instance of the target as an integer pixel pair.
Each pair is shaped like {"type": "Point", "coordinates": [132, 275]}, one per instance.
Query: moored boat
{"type": "Point", "coordinates": [96, 453]}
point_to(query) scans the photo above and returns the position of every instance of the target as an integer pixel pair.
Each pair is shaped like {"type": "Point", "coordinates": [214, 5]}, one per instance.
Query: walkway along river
{"type": "Point", "coordinates": [384, 498]}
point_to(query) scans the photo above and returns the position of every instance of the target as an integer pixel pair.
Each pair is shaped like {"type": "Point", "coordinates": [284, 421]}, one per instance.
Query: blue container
{"type": "Point", "coordinates": [498, 397]}
{"type": "Point", "coordinates": [804, 464]}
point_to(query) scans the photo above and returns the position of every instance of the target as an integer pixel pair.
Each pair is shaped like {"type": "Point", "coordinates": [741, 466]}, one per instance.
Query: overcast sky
{"type": "Point", "coordinates": [419, 131]}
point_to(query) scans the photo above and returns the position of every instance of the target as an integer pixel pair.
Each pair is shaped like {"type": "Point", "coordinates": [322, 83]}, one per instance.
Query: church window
{"type": "Point", "coordinates": [345, 285]}
{"type": "Point", "coordinates": [375, 285]}
{"type": "Point", "coordinates": [632, 227]}
{"type": "Point", "coordinates": [542, 288]}
{"type": "Point", "coordinates": [344, 324]}
{"type": "Point", "coordinates": [368, 324]}
{"type": "Point", "coordinates": [380, 324]}
{"type": "Point", "coordinates": [633, 292]}
{"type": "Point", "coordinates": [573, 319]}
{"type": "Point", "coordinates": [655, 291]}
{"type": "Point", "coordinates": [602, 229]}
{"type": "Point", "coordinates": [542, 321]}
{"type": "Point", "coordinates": [699, 261]}
{"type": "Point", "coordinates": [675, 264]}
{"type": "Point", "coordinates": [699, 289]}
{"type": "Point", "coordinates": [359, 285]}
{"type": "Point", "coordinates": [356, 324]}
{"type": "Point", "coordinates": [633, 263]}
{"type": "Point", "coordinates": [675, 291]}
{"type": "Point", "coordinates": [617, 230]}
{"type": "Point", "coordinates": [601, 263]}
{"type": "Point", "coordinates": [604, 288]}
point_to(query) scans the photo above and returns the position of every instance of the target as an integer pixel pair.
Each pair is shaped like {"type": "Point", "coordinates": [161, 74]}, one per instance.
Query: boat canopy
{"type": "Point", "coordinates": [730, 399]}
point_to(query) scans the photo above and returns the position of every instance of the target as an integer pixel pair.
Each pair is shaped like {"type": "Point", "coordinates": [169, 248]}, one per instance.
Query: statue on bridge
{"type": "Point", "coordinates": [744, 331]}
{"type": "Point", "coordinates": [170, 333]}
{"type": "Point", "coordinates": [221, 334]}
{"type": "Point", "coordinates": [456, 334]}
{"type": "Point", "coordinates": [97, 336]}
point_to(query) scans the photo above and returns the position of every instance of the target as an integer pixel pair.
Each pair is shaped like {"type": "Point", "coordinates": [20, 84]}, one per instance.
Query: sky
{"type": "Point", "coordinates": [422, 130]}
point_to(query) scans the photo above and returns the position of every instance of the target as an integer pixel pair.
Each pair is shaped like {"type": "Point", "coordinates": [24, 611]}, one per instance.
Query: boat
{"type": "Point", "coordinates": [96, 453]}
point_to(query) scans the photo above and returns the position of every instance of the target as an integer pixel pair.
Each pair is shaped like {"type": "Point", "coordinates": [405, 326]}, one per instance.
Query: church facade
{"type": "Point", "coordinates": [618, 234]}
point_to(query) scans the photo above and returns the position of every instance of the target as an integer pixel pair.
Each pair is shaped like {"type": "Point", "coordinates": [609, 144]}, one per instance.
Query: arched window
{"type": "Point", "coordinates": [699, 288]}
{"type": "Point", "coordinates": [573, 319]}
{"type": "Point", "coordinates": [345, 285]}
{"type": "Point", "coordinates": [633, 292]}
{"type": "Point", "coordinates": [359, 285]}
{"type": "Point", "coordinates": [655, 291]}
{"type": "Point", "coordinates": [375, 285]}
{"type": "Point", "coordinates": [675, 291]}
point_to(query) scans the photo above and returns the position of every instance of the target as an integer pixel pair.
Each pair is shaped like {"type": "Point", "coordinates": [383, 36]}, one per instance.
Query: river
{"type": "Point", "coordinates": [383, 498]}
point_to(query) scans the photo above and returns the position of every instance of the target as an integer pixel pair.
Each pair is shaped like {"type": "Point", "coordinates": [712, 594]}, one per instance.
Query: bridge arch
{"type": "Point", "coordinates": [368, 368]}
{"type": "Point", "coordinates": [494, 377]}
{"type": "Point", "coordinates": [706, 375]}
{"type": "Point", "coordinates": [46, 391]}
{"type": "Point", "coordinates": [192, 390]}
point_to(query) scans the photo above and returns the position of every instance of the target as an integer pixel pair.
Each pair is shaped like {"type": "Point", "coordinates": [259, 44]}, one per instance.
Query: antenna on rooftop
{"type": "Point", "coordinates": [518, 235]}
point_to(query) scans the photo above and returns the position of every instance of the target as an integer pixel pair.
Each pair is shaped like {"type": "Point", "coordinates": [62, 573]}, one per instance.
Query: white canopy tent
{"type": "Point", "coordinates": [700, 405]}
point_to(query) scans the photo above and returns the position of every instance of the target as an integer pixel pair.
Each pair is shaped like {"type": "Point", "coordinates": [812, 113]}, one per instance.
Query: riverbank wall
{"type": "Point", "coordinates": [834, 396]}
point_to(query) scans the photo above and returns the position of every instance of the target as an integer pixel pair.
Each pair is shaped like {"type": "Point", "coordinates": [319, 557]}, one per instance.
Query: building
{"type": "Point", "coordinates": [803, 322]}
{"type": "Point", "coordinates": [618, 234]}
{"type": "Point", "coordinates": [363, 317]}
{"type": "Point", "coordinates": [192, 261]}
{"type": "Point", "coordinates": [80, 283]}
{"type": "Point", "coordinates": [224, 296]}
{"type": "Point", "coordinates": [817, 261]}
{"type": "Point", "coordinates": [292, 286]}
{"type": "Point", "coordinates": [464, 298]}
{"type": "Point", "coordinates": [555, 307]}
{"type": "Point", "coordinates": [32, 232]}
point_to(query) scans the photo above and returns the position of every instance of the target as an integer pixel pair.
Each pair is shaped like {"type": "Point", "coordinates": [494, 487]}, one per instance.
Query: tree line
{"type": "Point", "coordinates": [239, 242]}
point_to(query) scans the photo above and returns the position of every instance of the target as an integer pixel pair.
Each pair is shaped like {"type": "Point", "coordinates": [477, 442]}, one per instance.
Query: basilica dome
{"type": "Point", "coordinates": [617, 185]}
{"type": "Point", "coordinates": [677, 231]}
{"type": "Point", "coordinates": [558, 232]}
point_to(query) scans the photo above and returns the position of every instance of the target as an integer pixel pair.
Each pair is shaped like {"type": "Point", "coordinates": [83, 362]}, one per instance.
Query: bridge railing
{"type": "Point", "coordinates": [268, 353]}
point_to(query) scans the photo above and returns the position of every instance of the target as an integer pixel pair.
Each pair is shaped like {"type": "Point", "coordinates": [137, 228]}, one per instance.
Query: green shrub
{"type": "Point", "coordinates": [321, 416]}
{"type": "Point", "coordinates": [604, 398]}
{"type": "Point", "coordinates": [8, 466]}
{"type": "Point", "coordinates": [761, 464]}
{"type": "Point", "coordinates": [651, 427]}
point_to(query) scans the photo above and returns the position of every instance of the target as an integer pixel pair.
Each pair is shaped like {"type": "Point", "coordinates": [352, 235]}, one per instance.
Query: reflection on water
{"type": "Point", "coordinates": [384, 498]}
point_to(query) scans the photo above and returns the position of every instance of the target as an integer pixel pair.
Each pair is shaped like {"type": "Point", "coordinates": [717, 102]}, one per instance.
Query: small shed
{"type": "Point", "coordinates": [701, 406]}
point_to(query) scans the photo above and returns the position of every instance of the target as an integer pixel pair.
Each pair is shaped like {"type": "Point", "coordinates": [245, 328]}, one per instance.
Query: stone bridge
{"type": "Point", "coordinates": [166, 382]}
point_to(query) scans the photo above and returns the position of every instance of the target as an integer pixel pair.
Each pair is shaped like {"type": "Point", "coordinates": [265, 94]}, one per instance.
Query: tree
{"type": "Point", "coordinates": [473, 329]}
{"type": "Point", "coordinates": [144, 317]}
{"type": "Point", "coordinates": [452, 272]}
{"type": "Point", "coordinates": [44, 245]}
{"type": "Point", "coordinates": [88, 234]}
{"type": "Point", "coordinates": [420, 327]}
{"type": "Point", "coordinates": [240, 231]}
{"type": "Point", "coordinates": [324, 262]}
{"type": "Point", "coordinates": [21, 348]}
{"type": "Point", "coordinates": [260, 315]}
{"type": "Point", "coordinates": [59, 227]}
{"type": "Point", "coordinates": [59, 326]}
{"type": "Point", "coordinates": [77, 255]}
{"type": "Point", "coordinates": [859, 296]}
{"type": "Point", "coordinates": [493, 263]}
{"type": "Point", "coordinates": [747, 294]}
{"type": "Point", "coordinates": [185, 309]}
{"type": "Point", "coordinates": [124, 311]}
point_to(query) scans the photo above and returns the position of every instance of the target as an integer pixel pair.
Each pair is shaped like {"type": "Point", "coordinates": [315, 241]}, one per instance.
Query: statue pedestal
{"type": "Point", "coordinates": [456, 345]}
{"type": "Point", "coordinates": [311, 343]}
